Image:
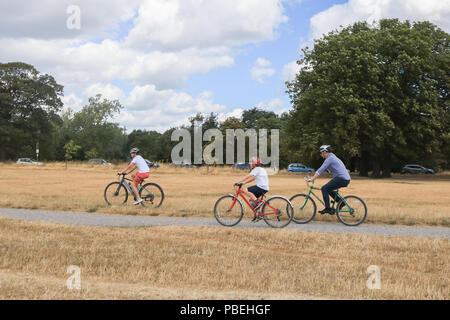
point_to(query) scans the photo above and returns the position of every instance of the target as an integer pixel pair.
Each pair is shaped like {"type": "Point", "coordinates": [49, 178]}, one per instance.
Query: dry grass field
{"type": "Point", "coordinates": [401, 200]}
{"type": "Point", "coordinates": [215, 263]}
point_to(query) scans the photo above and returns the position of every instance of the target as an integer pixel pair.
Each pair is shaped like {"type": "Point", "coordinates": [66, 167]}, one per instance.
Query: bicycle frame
{"type": "Point", "coordinates": [311, 188]}
{"type": "Point", "coordinates": [240, 192]}
{"type": "Point", "coordinates": [122, 182]}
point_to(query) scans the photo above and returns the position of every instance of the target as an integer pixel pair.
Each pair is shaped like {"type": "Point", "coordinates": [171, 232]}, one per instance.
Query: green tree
{"type": "Point", "coordinates": [92, 129]}
{"type": "Point", "coordinates": [29, 103]}
{"type": "Point", "coordinates": [71, 150]}
{"type": "Point", "coordinates": [377, 93]}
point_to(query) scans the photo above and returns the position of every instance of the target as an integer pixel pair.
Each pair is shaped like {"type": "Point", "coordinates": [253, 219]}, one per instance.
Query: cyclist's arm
{"type": "Point", "coordinates": [129, 166]}
{"type": "Point", "coordinates": [322, 168]}
{"type": "Point", "coordinates": [248, 178]}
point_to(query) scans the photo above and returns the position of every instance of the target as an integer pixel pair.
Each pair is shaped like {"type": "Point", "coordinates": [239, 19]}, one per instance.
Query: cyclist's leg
{"type": "Point", "coordinates": [328, 189]}
{"type": "Point", "coordinates": [136, 181]}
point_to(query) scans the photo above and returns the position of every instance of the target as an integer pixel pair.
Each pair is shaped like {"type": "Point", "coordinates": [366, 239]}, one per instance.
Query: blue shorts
{"type": "Point", "coordinates": [257, 191]}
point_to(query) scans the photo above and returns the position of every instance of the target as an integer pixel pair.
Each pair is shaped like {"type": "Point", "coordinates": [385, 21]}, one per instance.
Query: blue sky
{"type": "Point", "coordinates": [166, 60]}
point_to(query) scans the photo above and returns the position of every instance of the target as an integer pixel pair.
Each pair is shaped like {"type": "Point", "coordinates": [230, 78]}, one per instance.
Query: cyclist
{"type": "Point", "coordinates": [143, 172]}
{"type": "Point", "coordinates": [259, 175]}
{"type": "Point", "coordinates": [341, 177]}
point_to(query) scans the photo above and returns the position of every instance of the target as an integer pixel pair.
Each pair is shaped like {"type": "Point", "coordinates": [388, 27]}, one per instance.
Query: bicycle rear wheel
{"type": "Point", "coordinates": [304, 208]}
{"type": "Point", "coordinates": [226, 213]}
{"type": "Point", "coordinates": [352, 214]}
{"type": "Point", "coordinates": [115, 194]}
{"type": "Point", "coordinates": [152, 195]}
{"type": "Point", "coordinates": [277, 212]}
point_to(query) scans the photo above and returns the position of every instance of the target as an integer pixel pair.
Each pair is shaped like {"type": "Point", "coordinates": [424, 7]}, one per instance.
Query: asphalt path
{"type": "Point", "coordinates": [107, 220]}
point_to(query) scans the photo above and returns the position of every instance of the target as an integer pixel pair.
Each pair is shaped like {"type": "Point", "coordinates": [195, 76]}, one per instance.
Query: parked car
{"type": "Point", "coordinates": [29, 161]}
{"type": "Point", "coordinates": [298, 167]}
{"type": "Point", "coordinates": [99, 161]}
{"type": "Point", "coordinates": [415, 168]}
{"type": "Point", "coordinates": [242, 165]}
{"type": "Point", "coordinates": [151, 164]}
{"type": "Point", "coordinates": [183, 165]}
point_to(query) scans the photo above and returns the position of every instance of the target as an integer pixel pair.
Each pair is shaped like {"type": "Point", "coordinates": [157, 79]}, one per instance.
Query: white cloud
{"type": "Point", "coordinates": [107, 91]}
{"type": "Point", "coordinates": [178, 24]}
{"type": "Point", "coordinates": [289, 71]}
{"type": "Point", "coordinates": [47, 19]}
{"type": "Point", "coordinates": [435, 11]}
{"type": "Point", "coordinates": [261, 69]}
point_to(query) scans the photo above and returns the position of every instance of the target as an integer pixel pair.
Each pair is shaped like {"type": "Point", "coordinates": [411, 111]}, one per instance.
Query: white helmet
{"type": "Point", "coordinates": [134, 150]}
{"type": "Point", "coordinates": [325, 148]}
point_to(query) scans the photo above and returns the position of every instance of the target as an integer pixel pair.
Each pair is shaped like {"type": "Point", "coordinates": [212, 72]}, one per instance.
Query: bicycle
{"type": "Point", "coordinates": [350, 210]}
{"type": "Point", "coordinates": [276, 211]}
{"type": "Point", "coordinates": [116, 193]}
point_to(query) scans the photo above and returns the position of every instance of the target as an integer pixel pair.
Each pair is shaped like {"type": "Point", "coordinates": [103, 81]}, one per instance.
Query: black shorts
{"type": "Point", "coordinates": [257, 191]}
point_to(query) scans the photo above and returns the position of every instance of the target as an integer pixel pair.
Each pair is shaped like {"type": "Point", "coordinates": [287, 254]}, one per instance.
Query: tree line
{"type": "Point", "coordinates": [378, 93]}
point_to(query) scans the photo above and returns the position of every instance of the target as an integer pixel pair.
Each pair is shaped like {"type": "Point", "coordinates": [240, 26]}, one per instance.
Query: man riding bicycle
{"type": "Point", "coordinates": [143, 172]}
{"type": "Point", "coordinates": [341, 177]}
{"type": "Point", "coordinates": [259, 175]}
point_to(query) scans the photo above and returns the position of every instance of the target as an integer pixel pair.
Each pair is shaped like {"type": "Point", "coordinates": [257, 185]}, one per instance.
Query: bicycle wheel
{"type": "Point", "coordinates": [152, 195]}
{"type": "Point", "coordinates": [277, 212]}
{"type": "Point", "coordinates": [115, 194]}
{"type": "Point", "coordinates": [354, 213]}
{"type": "Point", "coordinates": [226, 213]}
{"type": "Point", "coordinates": [304, 208]}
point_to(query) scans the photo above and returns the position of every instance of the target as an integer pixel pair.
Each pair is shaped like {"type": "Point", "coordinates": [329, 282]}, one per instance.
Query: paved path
{"type": "Point", "coordinates": [96, 219]}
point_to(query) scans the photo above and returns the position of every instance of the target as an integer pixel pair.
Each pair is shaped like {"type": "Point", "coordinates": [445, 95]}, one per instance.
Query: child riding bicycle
{"type": "Point", "coordinates": [143, 172]}
{"type": "Point", "coordinates": [259, 175]}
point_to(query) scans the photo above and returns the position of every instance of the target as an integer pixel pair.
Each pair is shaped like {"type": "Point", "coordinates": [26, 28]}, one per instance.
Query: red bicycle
{"type": "Point", "coordinates": [277, 211]}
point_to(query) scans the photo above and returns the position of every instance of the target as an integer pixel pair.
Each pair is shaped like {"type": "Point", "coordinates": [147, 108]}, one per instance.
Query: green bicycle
{"type": "Point", "coordinates": [350, 210]}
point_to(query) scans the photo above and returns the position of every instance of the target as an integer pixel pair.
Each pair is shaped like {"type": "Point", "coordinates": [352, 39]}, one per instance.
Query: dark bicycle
{"type": "Point", "coordinates": [116, 193]}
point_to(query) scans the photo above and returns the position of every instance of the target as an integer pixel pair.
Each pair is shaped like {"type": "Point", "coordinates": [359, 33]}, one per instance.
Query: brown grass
{"type": "Point", "coordinates": [404, 200]}
{"type": "Point", "coordinates": [215, 263]}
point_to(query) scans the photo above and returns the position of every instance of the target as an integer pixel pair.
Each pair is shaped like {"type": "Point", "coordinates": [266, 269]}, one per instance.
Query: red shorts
{"type": "Point", "coordinates": [140, 177]}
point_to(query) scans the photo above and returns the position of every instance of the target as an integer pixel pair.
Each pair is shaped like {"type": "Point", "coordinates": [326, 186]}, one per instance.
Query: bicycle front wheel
{"type": "Point", "coordinates": [352, 214]}
{"type": "Point", "coordinates": [277, 212]}
{"type": "Point", "coordinates": [152, 195]}
{"type": "Point", "coordinates": [115, 194]}
{"type": "Point", "coordinates": [228, 213]}
{"type": "Point", "coordinates": [304, 208]}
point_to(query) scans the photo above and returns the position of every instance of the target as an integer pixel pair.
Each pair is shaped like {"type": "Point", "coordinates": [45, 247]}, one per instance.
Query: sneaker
{"type": "Point", "coordinates": [256, 218]}
{"type": "Point", "coordinates": [138, 201]}
{"type": "Point", "coordinates": [326, 210]}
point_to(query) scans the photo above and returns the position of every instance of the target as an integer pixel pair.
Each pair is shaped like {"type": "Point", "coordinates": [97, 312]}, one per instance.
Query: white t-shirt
{"type": "Point", "coordinates": [140, 164]}
{"type": "Point", "coordinates": [261, 178]}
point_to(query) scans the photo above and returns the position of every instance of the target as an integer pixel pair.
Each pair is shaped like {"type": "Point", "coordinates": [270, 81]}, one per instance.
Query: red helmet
{"type": "Point", "coordinates": [255, 162]}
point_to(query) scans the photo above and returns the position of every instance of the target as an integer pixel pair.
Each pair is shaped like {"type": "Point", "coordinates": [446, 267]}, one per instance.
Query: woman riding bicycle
{"type": "Point", "coordinates": [341, 177]}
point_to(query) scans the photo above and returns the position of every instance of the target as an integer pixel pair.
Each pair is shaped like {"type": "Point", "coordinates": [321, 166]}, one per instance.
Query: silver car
{"type": "Point", "coordinates": [29, 161]}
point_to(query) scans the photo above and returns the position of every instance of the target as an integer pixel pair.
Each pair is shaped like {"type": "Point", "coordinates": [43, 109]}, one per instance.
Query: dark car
{"type": "Point", "coordinates": [298, 167]}
{"type": "Point", "coordinates": [151, 164]}
{"type": "Point", "coordinates": [415, 168]}
{"type": "Point", "coordinates": [242, 165]}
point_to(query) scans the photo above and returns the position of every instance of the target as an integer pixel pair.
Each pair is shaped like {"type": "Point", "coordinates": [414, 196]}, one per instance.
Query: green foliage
{"type": "Point", "coordinates": [71, 149]}
{"type": "Point", "coordinates": [29, 102]}
{"type": "Point", "coordinates": [377, 93]}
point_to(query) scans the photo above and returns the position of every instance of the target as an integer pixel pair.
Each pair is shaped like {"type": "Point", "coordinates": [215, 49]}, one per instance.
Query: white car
{"type": "Point", "coordinates": [29, 161]}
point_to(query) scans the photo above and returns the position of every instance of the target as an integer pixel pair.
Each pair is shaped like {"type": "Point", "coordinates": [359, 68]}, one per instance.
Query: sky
{"type": "Point", "coordinates": [166, 60]}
